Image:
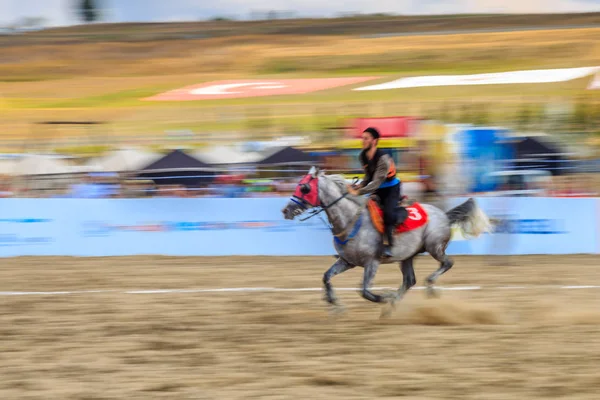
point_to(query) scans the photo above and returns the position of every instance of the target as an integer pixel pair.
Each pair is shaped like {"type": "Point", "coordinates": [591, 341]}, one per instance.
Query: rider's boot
{"type": "Point", "coordinates": [387, 250]}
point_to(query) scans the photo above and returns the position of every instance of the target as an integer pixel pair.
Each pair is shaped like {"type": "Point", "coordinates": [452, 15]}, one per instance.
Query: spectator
{"type": "Point", "coordinates": [5, 189]}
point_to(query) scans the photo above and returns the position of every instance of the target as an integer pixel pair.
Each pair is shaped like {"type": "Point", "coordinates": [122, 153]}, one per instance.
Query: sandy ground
{"type": "Point", "coordinates": [492, 343]}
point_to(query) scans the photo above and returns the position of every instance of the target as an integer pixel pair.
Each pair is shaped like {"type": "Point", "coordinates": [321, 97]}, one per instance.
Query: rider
{"type": "Point", "coordinates": [380, 178]}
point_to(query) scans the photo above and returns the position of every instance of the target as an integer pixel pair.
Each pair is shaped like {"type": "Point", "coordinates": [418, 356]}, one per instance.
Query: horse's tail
{"type": "Point", "coordinates": [469, 218]}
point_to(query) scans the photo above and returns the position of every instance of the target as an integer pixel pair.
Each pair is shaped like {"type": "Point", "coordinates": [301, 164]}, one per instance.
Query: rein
{"type": "Point", "coordinates": [320, 208]}
{"type": "Point", "coordinates": [355, 223]}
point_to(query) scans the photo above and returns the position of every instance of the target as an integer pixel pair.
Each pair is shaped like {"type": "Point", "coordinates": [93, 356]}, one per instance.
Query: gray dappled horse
{"type": "Point", "coordinates": [359, 243]}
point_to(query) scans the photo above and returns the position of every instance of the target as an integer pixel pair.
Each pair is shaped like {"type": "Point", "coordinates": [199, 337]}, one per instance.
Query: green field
{"type": "Point", "coordinates": [45, 77]}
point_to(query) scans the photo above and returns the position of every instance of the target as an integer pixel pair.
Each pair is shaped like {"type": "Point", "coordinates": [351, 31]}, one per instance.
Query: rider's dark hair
{"type": "Point", "coordinates": [374, 132]}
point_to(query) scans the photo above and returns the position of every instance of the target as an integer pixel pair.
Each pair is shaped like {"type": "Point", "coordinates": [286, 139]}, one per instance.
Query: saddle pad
{"type": "Point", "coordinates": [417, 217]}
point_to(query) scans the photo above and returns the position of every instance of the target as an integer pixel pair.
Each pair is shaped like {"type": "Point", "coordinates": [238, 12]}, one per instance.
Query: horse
{"type": "Point", "coordinates": [354, 222]}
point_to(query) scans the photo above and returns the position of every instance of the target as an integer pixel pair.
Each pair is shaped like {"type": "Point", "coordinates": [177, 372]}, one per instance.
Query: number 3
{"type": "Point", "coordinates": [414, 214]}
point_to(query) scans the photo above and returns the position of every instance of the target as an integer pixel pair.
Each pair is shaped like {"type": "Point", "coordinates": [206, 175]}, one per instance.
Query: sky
{"type": "Point", "coordinates": [60, 13]}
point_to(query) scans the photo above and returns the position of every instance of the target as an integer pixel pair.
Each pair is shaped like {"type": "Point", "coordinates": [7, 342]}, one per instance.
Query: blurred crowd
{"type": "Point", "coordinates": [101, 186]}
{"type": "Point", "coordinates": [104, 186]}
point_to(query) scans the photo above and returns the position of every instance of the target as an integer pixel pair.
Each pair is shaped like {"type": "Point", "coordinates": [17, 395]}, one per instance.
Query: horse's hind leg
{"type": "Point", "coordinates": [408, 277]}
{"type": "Point", "coordinates": [337, 268]}
{"type": "Point", "coordinates": [368, 277]}
{"type": "Point", "coordinates": [439, 253]}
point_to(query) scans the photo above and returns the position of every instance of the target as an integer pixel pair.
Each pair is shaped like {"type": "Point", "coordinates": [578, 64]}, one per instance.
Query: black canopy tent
{"type": "Point", "coordinates": [532, 153]}
{"type": "Point", "coordinates": [287, 156]}
{"type": "Point", "coordinates": [285, 159]}
{"type": "Point", "coordinates": [178, 168]}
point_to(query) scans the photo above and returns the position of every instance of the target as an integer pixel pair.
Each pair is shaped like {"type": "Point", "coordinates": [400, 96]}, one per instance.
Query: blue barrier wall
{"type": "Point", "coordinates": [530, 225]}
{"type": "Point", "coordinates": [255, 226]}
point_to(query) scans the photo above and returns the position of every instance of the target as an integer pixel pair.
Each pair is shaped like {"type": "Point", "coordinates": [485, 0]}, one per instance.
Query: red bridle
{"type": "Point", "coordinates": [307, 191]}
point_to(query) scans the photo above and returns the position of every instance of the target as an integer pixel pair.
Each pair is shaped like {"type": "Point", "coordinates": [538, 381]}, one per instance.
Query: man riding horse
{"type": "Point", "coordinates": [380, 179]}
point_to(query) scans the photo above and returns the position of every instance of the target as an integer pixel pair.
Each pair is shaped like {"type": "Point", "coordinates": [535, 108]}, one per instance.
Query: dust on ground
{"type": "Point", "coordinates": [540, 342]}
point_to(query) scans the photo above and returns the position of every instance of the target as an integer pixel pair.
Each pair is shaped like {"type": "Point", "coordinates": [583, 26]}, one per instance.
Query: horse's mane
{"type": "Point", "coordinates": [339, 180]}
{"type": "Point", "coordinates": [341, 183]}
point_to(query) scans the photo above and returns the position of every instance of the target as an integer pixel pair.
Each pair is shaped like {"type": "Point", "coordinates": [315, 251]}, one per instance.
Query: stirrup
{"type": "Point", "coordinates": [387, 252]}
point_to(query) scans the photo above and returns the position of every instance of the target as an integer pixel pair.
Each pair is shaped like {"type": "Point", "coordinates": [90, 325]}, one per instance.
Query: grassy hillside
{"type": "Point", "coordinates": [357, 25]}
{"type": "Point", "coordinates": [101, 72]}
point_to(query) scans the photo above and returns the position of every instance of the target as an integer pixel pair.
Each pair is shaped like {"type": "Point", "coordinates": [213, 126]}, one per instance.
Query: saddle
{"type": "Point", "coordinates": [409, 216]}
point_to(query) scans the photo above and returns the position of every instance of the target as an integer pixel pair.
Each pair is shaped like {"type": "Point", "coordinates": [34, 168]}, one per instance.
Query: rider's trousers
{"type": "Point", "coordinates": [389, 197]}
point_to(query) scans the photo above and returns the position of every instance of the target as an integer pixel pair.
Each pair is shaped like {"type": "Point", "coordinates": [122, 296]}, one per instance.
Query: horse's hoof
{"type": "Point", "coordinates": [390, 296]}
{"type": "Point", "coordinates": [386, 311]}
{"type": "Point", "coordinates": [432, 293]}
{"type": "Point", "coordinates": [337, 310]}
{"type": "Point", "coordinates": [389, 300]}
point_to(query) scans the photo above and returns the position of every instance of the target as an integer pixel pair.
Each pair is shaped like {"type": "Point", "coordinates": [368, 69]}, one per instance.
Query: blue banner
{"type": "Point", "coordinates": [255, 226]}
{"type": "Point", "coordinates": [533, 225]}
{"type": "Point", "coordinates": [483, 151]}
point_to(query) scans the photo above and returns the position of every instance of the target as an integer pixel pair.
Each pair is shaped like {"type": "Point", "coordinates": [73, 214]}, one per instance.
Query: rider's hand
{"type": "Point", "coordinates": [352, 190]}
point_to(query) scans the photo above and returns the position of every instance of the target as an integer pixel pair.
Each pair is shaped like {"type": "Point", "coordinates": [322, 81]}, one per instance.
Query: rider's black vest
{"type": "Point", "coordinates": [370, 166]}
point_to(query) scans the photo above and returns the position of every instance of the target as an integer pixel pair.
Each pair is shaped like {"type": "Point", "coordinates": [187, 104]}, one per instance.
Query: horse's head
{"type": "Point", "coordinates": [306, 195]}
{"type": "Point", "coordinates": [315, 189]}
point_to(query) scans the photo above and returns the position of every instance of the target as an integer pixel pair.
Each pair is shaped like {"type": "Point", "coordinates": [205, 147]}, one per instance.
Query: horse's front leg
{"type": "Point", "coordinates": [337, 268]}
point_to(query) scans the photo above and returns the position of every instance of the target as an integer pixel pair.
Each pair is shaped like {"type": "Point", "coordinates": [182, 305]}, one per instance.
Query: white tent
{"type": "Point", "coordinates": [7, 166]}
{"type": "Point", "coordinates": [36, 164]}
{"type": "Point", "coordinates": [225, 155]}
{"type": "Point", "coordinates": [122, 160]}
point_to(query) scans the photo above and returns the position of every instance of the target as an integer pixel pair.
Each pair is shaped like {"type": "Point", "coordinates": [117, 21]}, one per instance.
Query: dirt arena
{"type": "Point", "coordinates": [518, 335]}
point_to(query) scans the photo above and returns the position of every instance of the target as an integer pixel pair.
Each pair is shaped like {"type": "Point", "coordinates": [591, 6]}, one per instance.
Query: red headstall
{"type": "Point", "coordinates": [308, 190]}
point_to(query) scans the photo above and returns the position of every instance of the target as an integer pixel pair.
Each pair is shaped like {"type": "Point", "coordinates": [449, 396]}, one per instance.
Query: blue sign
{"type": "Point", "coordinates": [194, 227]}
{"type": "Point", "coordinates": [25, 229]}
{"type": "Point", "coordinates": [483, 151]}
{"type": "Point", "coordinates": [255, 226]}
